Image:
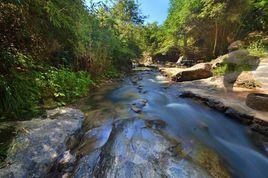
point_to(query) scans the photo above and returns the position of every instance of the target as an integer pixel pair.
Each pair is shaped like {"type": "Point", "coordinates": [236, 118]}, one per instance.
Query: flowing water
{"type": "Point", "coordinates": [210, 143]}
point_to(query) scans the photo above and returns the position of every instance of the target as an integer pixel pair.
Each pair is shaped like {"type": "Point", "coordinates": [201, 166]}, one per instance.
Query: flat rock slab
{"type": "Point", "coordinates": [40, 142]}
{"type": "Point", "coordinates": [135, 150]}
{"type": "Point", "coordinates": [261, 74]}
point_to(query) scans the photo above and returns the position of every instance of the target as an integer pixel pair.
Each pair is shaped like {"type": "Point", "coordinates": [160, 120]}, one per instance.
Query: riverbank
{"type": "Point", "coordinates": [121, 121]}
{"type": "Point", "coordinates": [231, 100]}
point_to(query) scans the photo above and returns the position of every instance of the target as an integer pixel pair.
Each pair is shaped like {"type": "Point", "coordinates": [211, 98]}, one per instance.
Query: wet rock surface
{"type": "Point", "coordinates": [134, 150]}
{"type": "Point", "coordinates": [40, 142]}
{"type": "Point", "coordinates": [138, 105]}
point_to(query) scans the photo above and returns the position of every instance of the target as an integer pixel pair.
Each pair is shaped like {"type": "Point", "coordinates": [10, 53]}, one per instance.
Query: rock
{"type": "Point", "coordinates": [231, 77]}
{"type": "Point", "coordinates": [247, 80]}
{"type": "Point", "coordinates": [257, 101]}
{"type": "Point", "coordinates": [34, 151]}
{"type": "Point", "coordinates": [217, 62]}
{"type": "Point", "coordinates": [138, 105]}
{"type": "Point", "coordinates": [260, 128]}
{"type": "Point", "coordinates": [184, 61]}
{"type": "Point", "coordinates": [169, 64]}
{"type": "Point", "coordinates": [203, 126]}
{"type": "Point", "coordinates": [135, 79]}
{"type": "Point", "coordinates": [135, 150]}
{"type": "Point", "coordinates": [235, 46]}
{"type": "Point", "coordinates": [199, 71]}
{"type": "Point", "coordinates": [95, 138]}
{"type": "Point", "coordinates": [139, 87]}
{"type": "Point", "coordinates": [238, 57]}
{"type": "Point", "coordinates": [179, 61]}
{"type": "Point", "coordinates": [65, 161]}
{"type": "Point", "coordinates": [155, 123]}
{"type": "Point", "coordinates": [136, 109]}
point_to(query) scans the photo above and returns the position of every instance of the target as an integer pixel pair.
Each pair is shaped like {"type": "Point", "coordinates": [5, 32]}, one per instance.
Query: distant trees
{"type": "Point", "coordinates": [205, 28]}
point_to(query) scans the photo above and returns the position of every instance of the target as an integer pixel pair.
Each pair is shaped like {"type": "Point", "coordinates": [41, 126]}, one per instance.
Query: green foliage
{"type": "Point", "coordinates": [27, 92]}
{"type": "Point", "coordinates": [227, 68]}
{"type": "Point", "coordinates": [63, 85]}
{"type": "Point", "coordinates": [257, 48]}
{"type": "Point", "coordinates": [112, 73]}
{"type": "Point", "coordinates": [204, 29]}
{"type": "Point", "coordinates": [220, 71]}
{"type": "Point", "coordinates": [51, 48]}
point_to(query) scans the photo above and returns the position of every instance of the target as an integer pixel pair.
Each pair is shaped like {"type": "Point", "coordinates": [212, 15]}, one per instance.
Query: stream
{"type": "Point", "coordinates": [139, 127]}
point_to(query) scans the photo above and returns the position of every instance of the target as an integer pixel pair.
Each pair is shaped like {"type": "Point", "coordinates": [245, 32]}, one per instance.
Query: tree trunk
{"type": "Point", "coordinates": [216, 39]}
{"type": "Point", "coordinates": [185, 45]}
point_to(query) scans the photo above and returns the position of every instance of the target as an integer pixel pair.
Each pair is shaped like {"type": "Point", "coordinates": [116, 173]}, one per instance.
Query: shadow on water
{"type": "Point", "coordinates": [194, 124]}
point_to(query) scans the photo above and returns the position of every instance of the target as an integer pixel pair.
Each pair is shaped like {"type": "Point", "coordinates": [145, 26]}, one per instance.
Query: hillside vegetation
{"type": "Point", "coordinates": [203, 29]}
{"type": "Point", "coordinates": [52, 51]}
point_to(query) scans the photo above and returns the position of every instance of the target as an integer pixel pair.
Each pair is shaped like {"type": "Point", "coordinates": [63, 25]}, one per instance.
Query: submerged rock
{"type": "Point", "coordinates": [135, 79]}
{"type": "Point", "coordinates": [137, 105]}
{"type": "Point", "coordinates": [136, 109]}
{"type": "Point", "coordinates": [33, 151]}
{"type": "Point", "coordinates": [155, 123]}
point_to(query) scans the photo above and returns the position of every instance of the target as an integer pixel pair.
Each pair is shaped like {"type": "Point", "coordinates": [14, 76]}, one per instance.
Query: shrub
{"type": "Point", "coordinates": [24, 92]}
{"type": "Point", "coordinates": [245, 64]}
{"type": "Point", "coordinates": [257, 48]}
{"type": "Point", "coordinates": [63, 85]}
{"type": "Point", "coordinates": [220, 71]}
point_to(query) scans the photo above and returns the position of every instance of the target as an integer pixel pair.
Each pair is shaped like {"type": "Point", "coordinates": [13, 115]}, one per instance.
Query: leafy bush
{"type": "Point", "coordinates": [113, 72]}
{"type": "Point", "coordinates": [226, 68]}
{"type": "Point", "coordinates": [220, 71]}
{"type": "Point", "coordinates": [257, 48]}
{"type": "Point", "coordinates": [25, 92]}
{"type": "Point", "coordinates": [63, 85]}
{"type": "Point", "coordinates": [17, 94]}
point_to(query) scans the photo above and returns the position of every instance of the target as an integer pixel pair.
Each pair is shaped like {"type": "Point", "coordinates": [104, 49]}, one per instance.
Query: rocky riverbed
{"type": "Point", "coordinates": [226, 93]}
{"type": "Point", "coordinates": [137, 127]}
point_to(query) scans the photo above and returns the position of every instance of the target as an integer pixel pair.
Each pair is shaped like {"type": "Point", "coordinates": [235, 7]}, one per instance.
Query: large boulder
{"type": "Point", "coordinates": [237, 57]}
{"type": "Point", "coordinates": [199, 71]}
{"type": "Point", "coordinates": [235, 46]}
{"type": "Point", "coordinates": [40, 142]}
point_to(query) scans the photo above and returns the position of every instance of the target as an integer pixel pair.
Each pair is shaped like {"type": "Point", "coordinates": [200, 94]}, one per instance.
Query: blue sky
{"type": "Point", "coordinates": [156, 10]}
